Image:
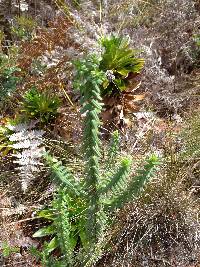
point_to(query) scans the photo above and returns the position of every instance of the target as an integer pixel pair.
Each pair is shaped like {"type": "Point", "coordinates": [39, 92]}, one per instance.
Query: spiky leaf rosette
{"type": "Point", "coordinates": [118, 61]}
{"type": "Point", "coordinates": [89, 80]}
{"type": "Point", "coordinates": [119, 57]}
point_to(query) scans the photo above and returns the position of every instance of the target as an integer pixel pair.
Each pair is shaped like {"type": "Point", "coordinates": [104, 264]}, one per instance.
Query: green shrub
{"type": "Point", "coordinates": [40, 105]}
{"type": "Point", "coordinates": [118, 61]}
{"type": "Point", "coordinates": [7, 250]}
{"type": "Point", "coordinates": [83, 208]}
{"type": "Point", "coordinates": [24, 27]}
{"type": "Point", "coordinates": [8, 78]}
{"type": "Point", "coordinates": [5, 144]}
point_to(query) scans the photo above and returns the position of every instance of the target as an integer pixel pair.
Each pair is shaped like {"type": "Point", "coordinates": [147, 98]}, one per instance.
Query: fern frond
{"type": "Point", "coordinates": [27, 144]}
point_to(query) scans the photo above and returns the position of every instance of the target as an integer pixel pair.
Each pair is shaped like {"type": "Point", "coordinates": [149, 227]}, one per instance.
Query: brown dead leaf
{"type": "Point", "coordinates": [134, 97]}
{"type": "Point", "coordinates": [133, 86]}
{"type": "Point", "coordinates": [139, 97]}
{"type": "Point", "coordinates": [107, 115]}
{"type": "Point", "coordinates": [110, 101]}
{"type": "Point", "coordinates": [130, 107]}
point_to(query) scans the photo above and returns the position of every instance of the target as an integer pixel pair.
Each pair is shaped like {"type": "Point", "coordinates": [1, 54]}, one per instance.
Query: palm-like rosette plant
{"type": "Point", "coordinates": [40, 105]}
{"type": "Point", "coordinates": [119, 61]}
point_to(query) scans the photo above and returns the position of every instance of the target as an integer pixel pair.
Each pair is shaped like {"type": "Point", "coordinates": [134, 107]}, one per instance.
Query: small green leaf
{"type": "Point", "coordinates": [35, 252]}
{"type": "Point", "coordinates": [123, 72]}
{"type": "Point", "coordinates": [105, 84]}
{"type": "Point", "coordinates": [120, 84]}
{"type": "Point", "coordinates": [49, 230]}
{"type": "Point", "coordinates": [46, 214]}
{"type": "Point", "coordinates": [53, 244]}
{"type": "Point", "coordinates": [73, 239]}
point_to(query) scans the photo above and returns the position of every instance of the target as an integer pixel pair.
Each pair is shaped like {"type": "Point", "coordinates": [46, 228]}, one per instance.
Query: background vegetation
{"type": "Point", "coordinates": [99, 133]}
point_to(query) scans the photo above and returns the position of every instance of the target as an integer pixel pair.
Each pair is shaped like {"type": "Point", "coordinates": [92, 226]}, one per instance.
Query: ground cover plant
{"type": "Point", "coordinates": [93, 96]}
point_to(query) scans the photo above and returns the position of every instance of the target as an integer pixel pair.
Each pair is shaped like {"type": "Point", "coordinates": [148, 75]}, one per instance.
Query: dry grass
{"type": "Point", "coordinates": [160, 229]}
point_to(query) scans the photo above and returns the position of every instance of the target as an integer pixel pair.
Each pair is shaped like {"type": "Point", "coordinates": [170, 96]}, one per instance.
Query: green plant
{"type": "Point", "coordinates": [24, 27]}
{"type": "Point", "coordinates": [82, 209]}
{"type": "Point", "coordinates": [8, 78]}
{"type": "Point", "coordinates": [195, 51]}
{"type": "Point", "coordinates": [2, 36]}
{"type": "Point", "coordinates": [37, 67]}
{"type": "Point", "coordinates": [5, 144]}
{"type": "Point", "coordinates": [197, 39]}
{"type": "Point", "coordinates": [40, 105]}
{"type": "Point", "coordinates": [7, 249]}
{"type": "Point", "coordinates": [5, 133]}
{"type": "Point", "coordinates": [119, 61]}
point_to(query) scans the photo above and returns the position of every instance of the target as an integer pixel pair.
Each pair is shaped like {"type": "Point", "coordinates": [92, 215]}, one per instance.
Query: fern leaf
{"type": "Point", "coordinates": [28, 147]}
